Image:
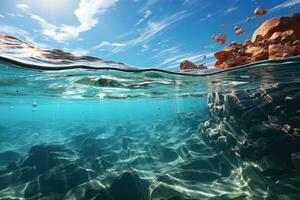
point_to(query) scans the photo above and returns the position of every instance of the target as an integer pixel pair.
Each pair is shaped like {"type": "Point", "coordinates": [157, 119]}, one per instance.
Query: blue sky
{"type": "Point", "coordinates": [146, 33]}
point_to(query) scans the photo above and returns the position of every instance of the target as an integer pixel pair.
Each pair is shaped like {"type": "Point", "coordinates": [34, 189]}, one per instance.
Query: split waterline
{"type": "Point", "coordinates": [118, 135]}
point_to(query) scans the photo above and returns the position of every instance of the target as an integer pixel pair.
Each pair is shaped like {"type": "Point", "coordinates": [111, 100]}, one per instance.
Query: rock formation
{"type": "Point", "coordinates": [10, 45]}
{"type": "Point", "coordinates": [278, 37]}
{"type": "Point", "coordinates": [262, 125]}
{"type": "Point", "coordinates": [186, 66]}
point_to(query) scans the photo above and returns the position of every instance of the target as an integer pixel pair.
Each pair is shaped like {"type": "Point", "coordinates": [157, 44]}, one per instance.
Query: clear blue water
{"type": "Point", "coordinates": [73, 134]}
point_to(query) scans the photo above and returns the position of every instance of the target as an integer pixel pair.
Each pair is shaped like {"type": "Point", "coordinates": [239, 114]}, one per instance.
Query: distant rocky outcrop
{"type": "Point", "coordinates": [186, 66]}
{"type": "Point", "coordinates": [10, 45]}
{"type": "Point", "coordinates": [278, 37]}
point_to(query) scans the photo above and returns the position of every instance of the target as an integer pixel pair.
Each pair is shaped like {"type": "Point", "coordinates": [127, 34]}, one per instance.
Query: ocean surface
{"type": "Point", "coordinates": [126, 134]}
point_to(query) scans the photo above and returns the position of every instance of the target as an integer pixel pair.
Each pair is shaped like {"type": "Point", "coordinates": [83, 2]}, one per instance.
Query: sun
{"type": "Point", "coordinates": [50, 5]}
{"type": "Point", "coordinates": [52, 9]}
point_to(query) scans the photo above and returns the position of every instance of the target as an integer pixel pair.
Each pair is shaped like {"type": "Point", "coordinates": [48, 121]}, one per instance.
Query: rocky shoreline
{"type": "Point", "coordinates": [278, 37]}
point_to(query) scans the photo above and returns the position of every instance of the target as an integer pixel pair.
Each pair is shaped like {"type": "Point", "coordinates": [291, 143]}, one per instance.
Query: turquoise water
{"type": "Point", "coordinates": [110, 134]}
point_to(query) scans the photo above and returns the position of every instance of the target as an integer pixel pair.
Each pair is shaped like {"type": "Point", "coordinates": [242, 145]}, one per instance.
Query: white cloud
{"type": "Point", "coordinates": [149, 32]}
{"type": "Point", "coordinates": [12, 30]}
{"type": "Point", "coordinates": [285, 4]}
{"type": "Point", "coordinates": [217, 12]}
{"type": "Point", "coordinates": [76, 51]}
{"type": "Point", "coordinates": [80, 52]}
{"type": "Point", "coordinates": [2, 16]}
{"type": "Point", "coordinates": [153, 28]}
{"type": "Point", "coordinates": [88, 11]}
{"type": "Point", "coordinates": [19, 33]}
{"type": "Point", "coordinates": [185, 2]}
{"type": "Point", "coordinates": [204, 57]}
{"type": "Point", "coordinates": [23, 7]}
{"type": "Point", "coordinates": [229, 10]}
{"type": "Point", "coordinates": [87, 15]}
{"type": "Point", "coordinates": [145, 48]}
{"type": "Point", "coordinates": [146, 15]}
{"type": "Point", "coordinates": [113, 47]}
{"type": "Point", "coordinates": [147, 4]}
{"type": "Point", "coordinates": [14, 15]}
{"type": "Point", "coordinates": [171, 57]}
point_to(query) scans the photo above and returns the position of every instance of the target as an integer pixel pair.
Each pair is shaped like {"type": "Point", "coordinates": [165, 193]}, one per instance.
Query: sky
{"type": "Point", "coordinates": [144, 33]}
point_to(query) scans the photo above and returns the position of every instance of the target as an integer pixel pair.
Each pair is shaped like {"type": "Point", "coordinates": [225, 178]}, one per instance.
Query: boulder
{"type": "Point", "coordinates": [163, 191]}
{"type": "Point", "coordinates": [296, 45]}
{"type": "Point", "coordinates": [221, 56]}
{"type": "Point", "coordinates": [89, 145]}
{"type": "Point", "coordinates": [277, 24]}
{"type": "Point", "coordinates": [233, 47]}
{"type": "Point", "coordinates": [227, 59]}
{"type": "Point", "coordinates": [92, 189]}
{"type": "Point", "coordinates": [45, 157]}
{"type": "Point", "coordinates": [199, 176]}
{"type": "Point", "coordinates": [296, 160]}
{"type": "Point", "coordinates": [296, 17]}
{"type": "Point", "coordinates": [16, 177]}
{"type": "Point", "coordinates": [257, 53]}
{"type": "Point", "coordinates": [278, 37]}
{"type": "Point", "coordinates": [189, 66]}
{"type": "Point", "coordinates": [7, 157]}
{"type": "Point", "coordinates": [58, 180]}
{"type": "Point", "coordinates": [222, 163]}
{"type": "Point", "coordinates": [128, 187]}
{"type": "Point", "coordinates": [280, 51]}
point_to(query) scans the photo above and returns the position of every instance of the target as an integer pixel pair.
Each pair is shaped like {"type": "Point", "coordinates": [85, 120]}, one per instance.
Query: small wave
{"type": "Point", "coordinates": [111, 65]}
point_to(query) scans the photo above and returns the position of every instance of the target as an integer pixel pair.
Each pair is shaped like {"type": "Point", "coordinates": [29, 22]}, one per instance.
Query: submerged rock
{"type": "Point", "coordinates": [163, 191]}
{"type": "Point", "coordinates": [200, 176]}
{"type": "Point", "coordinates": [164, 154]}
{"type": "Point", "coordinates": [18, 176]}
{"type": "Point", "coordinates": [44, 157]}
{"type": "Point", "coordinates": [222, 163]}
{"type": "Point", "coordinates": [89, 190]}
{"type": "Point", "coordinates": [128, 187]}
{"type": "Point", "coordinates": [7, 157]}
{"type": "Point", "coordinates": [101, 82]}
{"type": "Point", "coordinates": [296, 160]}
{"type": "Point", "coordinates": [58, 180]}
{"type": "Point", "coordinates": [263, 126]}
{"type": "Point", "coordinates": [88, 145]}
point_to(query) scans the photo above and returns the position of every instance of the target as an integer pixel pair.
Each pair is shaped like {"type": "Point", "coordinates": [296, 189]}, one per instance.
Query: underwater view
{"type": "Point", "coordinates": [111, 122]}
